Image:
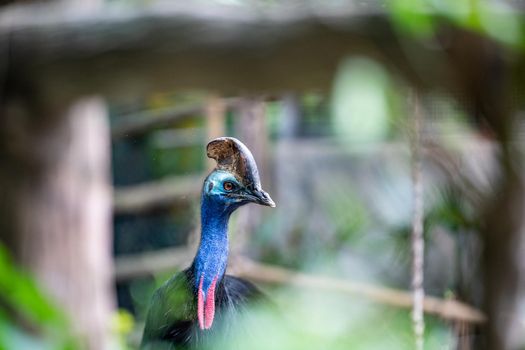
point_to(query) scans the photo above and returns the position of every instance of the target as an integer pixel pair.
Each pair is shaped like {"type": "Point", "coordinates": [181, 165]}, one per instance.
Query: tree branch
{"type": "Point", "coordinates": [169, 259]}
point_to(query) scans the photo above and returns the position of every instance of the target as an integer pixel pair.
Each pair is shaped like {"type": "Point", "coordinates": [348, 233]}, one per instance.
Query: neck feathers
{"type": "Point", "coordinates": [211, 259]}
{"type": "Point", "coordinates": [212, 256]}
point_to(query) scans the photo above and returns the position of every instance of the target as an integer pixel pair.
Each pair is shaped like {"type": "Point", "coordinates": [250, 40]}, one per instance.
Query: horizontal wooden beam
{"type": "Point", "coordinates": [147, 264]}
{"type": "Point", "coordinates": [147, 196]}
{"type": "Point", "coordinates": [126, 51]}
{"type": "Point", "coordinates": [142, 122]}
{"type": "Point", "coordinates": [448, 309]}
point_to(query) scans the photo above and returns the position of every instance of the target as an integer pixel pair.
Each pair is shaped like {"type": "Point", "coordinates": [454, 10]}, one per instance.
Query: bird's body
{"type": "Point", "coordinates": [198, 305]}
{"type": "Point", "coordinates": [172, 321]}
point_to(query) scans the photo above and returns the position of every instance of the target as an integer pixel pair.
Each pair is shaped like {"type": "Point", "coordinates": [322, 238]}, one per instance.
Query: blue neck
{"type": "Point", "coordinates": [212, 255]}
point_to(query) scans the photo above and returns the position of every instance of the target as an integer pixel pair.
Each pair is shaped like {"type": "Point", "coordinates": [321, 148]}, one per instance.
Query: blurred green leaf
{"type": "Point", "coordinates": [497, 20]}
{"type": "Point", "coordinates": [28, 319]}
{"type": "Point", "coordinates": [20, 292]}
{"type": "Point", "coordinates": [412, 16]}
{"type": "Point", "coordinates": [323, 320]}
{"type": "Point", "coordinates": [360, 101]}
{"type": "Point", "coordinates": [122, 324]}
{"type": "Point", "coordinates": [502, 24]}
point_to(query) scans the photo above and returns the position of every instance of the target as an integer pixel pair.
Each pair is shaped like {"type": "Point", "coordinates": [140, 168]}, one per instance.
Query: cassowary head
{"type": "Point", "coordinates": [235, 181]}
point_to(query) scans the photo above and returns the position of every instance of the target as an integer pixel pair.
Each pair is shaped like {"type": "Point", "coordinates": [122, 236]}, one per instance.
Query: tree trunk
{"type": "Point", "coordinates": [56, 206]}
{"type": "Point", "coordinates": [503, 234]}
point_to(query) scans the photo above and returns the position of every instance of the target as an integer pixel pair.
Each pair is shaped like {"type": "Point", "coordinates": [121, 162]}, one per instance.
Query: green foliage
{"type": "Point", "coordinates": [28, 319]}
{"type": "Point", "coordinates": [123, 324]}
{"type": "Point", "coordinates": [411, 17]}
{"type": "Point", "coordinates": [496, 20]}
{"type": "Point", "coordinates": [452, 212]}
{"type": "Point", "coordinates": [273, 114]}
{"type": "Point", "coordinates": [169, 161]}
{"type": "Point", "coordinates": [338, 204]}
{"type": "Point", "coordinates": [360, 103]}
{"type": "Point", "coordinates": [323, 320]}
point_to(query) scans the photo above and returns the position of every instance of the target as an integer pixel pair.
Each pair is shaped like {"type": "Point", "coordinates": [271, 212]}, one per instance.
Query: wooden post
{"type": "Point", "coordinates": [56, 206]}
{"type": "Point", "coordinates": [215, 122]}
{"type": "Point", "coordinates": [250, 126]}
{"type": "Point", "coordinates": [215, 113]}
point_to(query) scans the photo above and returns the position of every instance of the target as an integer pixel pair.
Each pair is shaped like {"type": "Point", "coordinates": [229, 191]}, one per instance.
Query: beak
{"type": "Point", "coordinates": [259, 197]}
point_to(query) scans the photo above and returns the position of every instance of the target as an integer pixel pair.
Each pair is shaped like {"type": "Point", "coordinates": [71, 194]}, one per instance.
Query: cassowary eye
{"type": "Point", "coordinates": [228, 186]}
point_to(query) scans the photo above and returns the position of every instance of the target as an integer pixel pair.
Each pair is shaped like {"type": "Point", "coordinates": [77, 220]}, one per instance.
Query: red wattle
{"type": "Point", "coordinates": [206, 305]}
{"type": "Point", "coordinates": [209, 309]}
{"type": "Point", "coordinates": [200, 305]}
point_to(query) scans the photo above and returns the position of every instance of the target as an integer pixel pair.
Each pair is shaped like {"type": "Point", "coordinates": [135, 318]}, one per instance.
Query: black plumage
{"type": "Point", "coordinates": [172, 322]}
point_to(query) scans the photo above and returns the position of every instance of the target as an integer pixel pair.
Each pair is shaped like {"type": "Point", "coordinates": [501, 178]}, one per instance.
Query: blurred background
{"type": "Point", "coordinates": [378, 127]}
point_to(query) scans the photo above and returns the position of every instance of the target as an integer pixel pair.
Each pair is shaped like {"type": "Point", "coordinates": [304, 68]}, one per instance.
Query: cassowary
{"type": "Point", "coordinates": [198, 304]}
